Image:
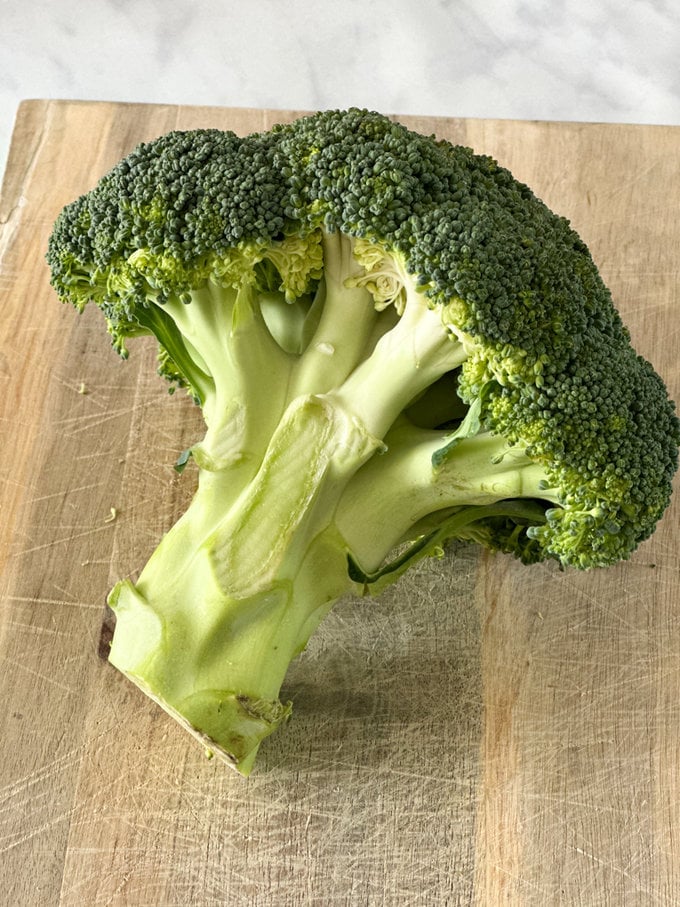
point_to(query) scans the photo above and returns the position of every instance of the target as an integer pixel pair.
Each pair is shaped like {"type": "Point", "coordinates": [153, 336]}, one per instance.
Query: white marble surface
{"type": "Point", "coordinates": [593, 60]}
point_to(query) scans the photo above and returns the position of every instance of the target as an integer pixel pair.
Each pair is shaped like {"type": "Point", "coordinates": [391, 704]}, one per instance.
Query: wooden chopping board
{"type": "Point", "coordinates": [484, 733]}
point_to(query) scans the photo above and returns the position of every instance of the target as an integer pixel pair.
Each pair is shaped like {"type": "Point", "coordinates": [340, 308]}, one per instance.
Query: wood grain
{"type": "Point", "coordinates": [484, 734]}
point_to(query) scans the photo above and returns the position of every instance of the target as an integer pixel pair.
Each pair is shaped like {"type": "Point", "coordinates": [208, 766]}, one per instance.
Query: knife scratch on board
{"type": "Point", "coordinates": [40, 675]}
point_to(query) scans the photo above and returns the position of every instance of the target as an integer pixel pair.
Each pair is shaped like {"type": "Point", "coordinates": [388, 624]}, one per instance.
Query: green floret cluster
{"type": "Point", "coordinates": [394, 344]}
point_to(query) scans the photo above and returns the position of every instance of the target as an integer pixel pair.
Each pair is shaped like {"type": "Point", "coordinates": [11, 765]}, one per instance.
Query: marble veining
{"type": "Point", "coordinates": [590, 60]}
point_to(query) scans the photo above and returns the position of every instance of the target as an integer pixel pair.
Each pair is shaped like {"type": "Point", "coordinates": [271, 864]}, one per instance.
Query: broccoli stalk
{"type": "Point", "coordinates": [235, 589]}
{"type": "Point", "coordinates": [286, 492]}
{"type": "Point", "coordinates": [394, 344]}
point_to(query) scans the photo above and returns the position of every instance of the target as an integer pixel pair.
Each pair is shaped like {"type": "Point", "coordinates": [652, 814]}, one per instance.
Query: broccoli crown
{"type": "Point", "coordinates": [547, 352]}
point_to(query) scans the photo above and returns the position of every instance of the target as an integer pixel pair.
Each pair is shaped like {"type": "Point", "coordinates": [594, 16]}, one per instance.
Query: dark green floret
{"type": "Point", "coordinates": [394, 344]}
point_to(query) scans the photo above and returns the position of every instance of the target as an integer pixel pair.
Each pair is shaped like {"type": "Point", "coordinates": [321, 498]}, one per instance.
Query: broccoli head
{"type": "Point", "coordinates": [394, 344]}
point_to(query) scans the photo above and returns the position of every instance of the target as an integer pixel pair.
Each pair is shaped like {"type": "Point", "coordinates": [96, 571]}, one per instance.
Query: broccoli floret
{"type": "Point", "coordinates": [394, 344]}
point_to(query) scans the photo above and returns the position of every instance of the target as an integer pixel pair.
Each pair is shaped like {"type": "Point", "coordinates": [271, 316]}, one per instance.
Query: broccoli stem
{"type": "Point", "coordinates": [405, 361]}
{"type": "Point", "coordinates": [308, 467]}
{"type": "Point", "coordinates": [404, 487]}
{"type": "Point", "coordinates": [333, 352]}
{"type": "Point", "coordinates": [215, 662]}
{"type": "Point", "coordinates": [235, 589]}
